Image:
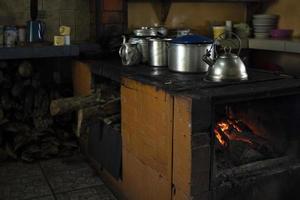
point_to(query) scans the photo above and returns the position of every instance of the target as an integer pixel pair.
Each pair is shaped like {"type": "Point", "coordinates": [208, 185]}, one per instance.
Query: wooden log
{"type": "Point", "coordinates": [254, 167]}
{"type": "Point", "coordinates": [65, 105]}
{"type": "Point", "coordinates": [25, 69]}
{"type": "Point", "coordinates": [1, 115]}
{"type": "Point", "coordinates": [112, 119]}
{"type": "Point", "coordinates": [109, 108]}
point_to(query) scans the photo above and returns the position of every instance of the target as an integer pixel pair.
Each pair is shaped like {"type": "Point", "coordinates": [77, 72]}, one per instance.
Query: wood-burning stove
{"type": "Point", "coordinates": [169, 144]}
{"type": "Point", "coordinates": [255, 145]}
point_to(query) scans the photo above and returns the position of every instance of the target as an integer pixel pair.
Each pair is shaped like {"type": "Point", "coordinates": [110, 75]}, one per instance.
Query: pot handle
{"type": "Point", "coordinates": [122, 54]}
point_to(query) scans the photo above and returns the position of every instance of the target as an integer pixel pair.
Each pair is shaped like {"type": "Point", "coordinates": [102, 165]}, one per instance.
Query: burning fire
{"type": "Point", "coordinates": [230, 129]}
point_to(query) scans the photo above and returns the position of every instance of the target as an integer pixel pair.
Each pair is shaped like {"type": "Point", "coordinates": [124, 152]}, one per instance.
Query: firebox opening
{"type": "Point", "coordinates": [254, 140]}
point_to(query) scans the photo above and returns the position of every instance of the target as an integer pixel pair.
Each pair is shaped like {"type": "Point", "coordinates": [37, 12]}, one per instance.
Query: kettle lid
{"type": "Point", "coordinates": [192, 39]}
{"type": "Point", "coordinates": [229, 55]}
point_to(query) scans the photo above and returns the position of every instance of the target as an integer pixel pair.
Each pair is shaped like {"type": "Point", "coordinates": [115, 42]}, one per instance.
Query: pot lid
{"type": "Point", "coordinates": [192, 39]}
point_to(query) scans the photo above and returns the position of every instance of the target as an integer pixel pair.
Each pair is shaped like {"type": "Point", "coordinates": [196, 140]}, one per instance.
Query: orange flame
{"type": "Point", "coordinates": [229, 129]}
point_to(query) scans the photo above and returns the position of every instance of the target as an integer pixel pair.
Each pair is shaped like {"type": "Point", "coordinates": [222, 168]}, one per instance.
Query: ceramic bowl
{"type": "Point", "coordinates": [281, 33]}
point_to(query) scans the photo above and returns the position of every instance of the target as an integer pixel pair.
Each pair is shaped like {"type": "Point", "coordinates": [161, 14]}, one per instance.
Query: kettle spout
{"type": "Point", "coordinates": [208, 60]}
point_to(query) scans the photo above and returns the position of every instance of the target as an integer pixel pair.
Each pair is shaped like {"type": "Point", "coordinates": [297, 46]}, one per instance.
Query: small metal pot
{"type": "Point", "coordinates": [143, 47]}
{"type": "Point", "coordinates": [158, 52]}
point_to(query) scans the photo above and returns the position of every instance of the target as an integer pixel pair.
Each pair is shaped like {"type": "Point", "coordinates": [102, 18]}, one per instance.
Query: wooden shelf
{"type": "Point", "coordinates": [283, 45]}
{"type": "Point", "coordinates": [47, 51]}
{"type": "Point", "coordinates": [219, 1]}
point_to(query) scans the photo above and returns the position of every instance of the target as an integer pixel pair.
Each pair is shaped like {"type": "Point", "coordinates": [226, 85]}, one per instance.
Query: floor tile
{"type": "Point", "coordinates": [64, 181]}
{"type": "Point", "coordinates": [25, 187]}
{"type": "Point", "coordinates": [13, 170]}
{"type": "Point", "coordinates": [43, 198]}
{"type": "Point", "coordinates": [93, 193]}
{"type": "Point", "coordinates": [64, 164]}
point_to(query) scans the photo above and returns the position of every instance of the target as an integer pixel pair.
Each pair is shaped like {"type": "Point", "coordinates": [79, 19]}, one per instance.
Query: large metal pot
{"type": "Point", "coordinates": [158, 52]}
{"type": "Point", "coordinates": [185, 54]}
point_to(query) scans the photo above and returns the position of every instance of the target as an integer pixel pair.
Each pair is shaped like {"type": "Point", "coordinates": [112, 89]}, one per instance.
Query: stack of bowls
{"type": "Point", "coordinates": [263, 25]}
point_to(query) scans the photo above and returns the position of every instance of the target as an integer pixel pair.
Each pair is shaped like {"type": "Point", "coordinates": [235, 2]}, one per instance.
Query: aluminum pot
{"type": "Point", "coordinates": [186, 55]}
{"type": "Point", "coordinates": [156, 31]}
{"type": "Point", "coordinates": [158, 52]}
{"type": "Point", "coordinates": [143, 47]}
{"type": "Point", "coordinates": [145, 32]}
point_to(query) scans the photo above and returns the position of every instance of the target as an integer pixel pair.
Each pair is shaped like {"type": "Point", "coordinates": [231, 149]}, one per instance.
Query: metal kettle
{"type": "Point", "coordinates": [35, 31]}
{"type": "Point", "coordinates": [129, 53]}
{"type": "Point", "coordinates": [226, 67]}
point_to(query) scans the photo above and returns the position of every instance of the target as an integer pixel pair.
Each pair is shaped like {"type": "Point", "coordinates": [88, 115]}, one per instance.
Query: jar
{"type": "Point", "coordinates": [10, 36]}
{"type": "Point", "coordinates": [22, 35]}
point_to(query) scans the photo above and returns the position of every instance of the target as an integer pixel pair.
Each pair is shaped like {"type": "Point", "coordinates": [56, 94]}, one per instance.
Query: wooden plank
{"type": "Point", "coordinates": [147, 116]}
{"type": "Point", "coordinates": [82, 78]}
{"type": "Point", "coordinates": [182, 147]}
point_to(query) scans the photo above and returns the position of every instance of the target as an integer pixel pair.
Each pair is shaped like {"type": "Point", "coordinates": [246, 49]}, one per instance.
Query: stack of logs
{"type": "Point", "coordinates": [103, 105]}
{"type": "Point", "coordinates": [27, 130]}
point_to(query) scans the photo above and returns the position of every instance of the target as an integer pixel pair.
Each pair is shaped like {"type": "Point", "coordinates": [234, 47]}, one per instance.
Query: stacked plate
{"type": "Point", "coordinates": [264, 24]}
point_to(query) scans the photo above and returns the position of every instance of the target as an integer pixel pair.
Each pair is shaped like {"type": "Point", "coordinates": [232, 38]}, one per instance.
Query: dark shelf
{"type": "Point", "coordinates": [108, 68]}
{"type": "Point", "coordinates": [46, 51]}
{"type": "Point", "coordinates": [207, 1]}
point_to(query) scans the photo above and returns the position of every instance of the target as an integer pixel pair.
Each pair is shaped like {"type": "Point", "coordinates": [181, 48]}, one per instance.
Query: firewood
{"type": "Point", "coordinates": [6, 100]}
{"type": "Point", "coordinates": [3, 64]}
{"type": "Point", "coordinates": [112, 119]}
{"type": "Point", "coordinates": [109, 108]}
{"type": "Point", "coordinates": [25, 69]}
{"type": "Point", "coordinates": [3, 155]}
{"type": "Point", "coordinates": [65, 105]}
{"type": "Point", "coordinates": [2, 117]}
{"type": "Point", "coordinates": [254, 167]}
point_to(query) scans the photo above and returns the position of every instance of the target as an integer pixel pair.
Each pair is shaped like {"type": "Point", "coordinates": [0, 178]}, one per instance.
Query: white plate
{"type": "Point", "coordinates": [264, 21]}
{"type": "Point", "coordinates": [264, 26]}
{"type": "Point", "coordinates": [262, 35]}
{"type": "Point", "coordinates": [265, 16]}
{"type": "Point", "coordinates": [263, 29]}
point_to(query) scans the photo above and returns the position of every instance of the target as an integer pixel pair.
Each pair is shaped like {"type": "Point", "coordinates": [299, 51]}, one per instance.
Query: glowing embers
{"type": "Point", "coordinates": [230, 129]}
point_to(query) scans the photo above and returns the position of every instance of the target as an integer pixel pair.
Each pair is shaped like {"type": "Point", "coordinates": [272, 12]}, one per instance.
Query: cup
{"type": "Point", "coordinates": [218, 30]}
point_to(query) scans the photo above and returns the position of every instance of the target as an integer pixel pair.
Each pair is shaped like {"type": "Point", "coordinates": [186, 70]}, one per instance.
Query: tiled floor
{"type": "Point", "coordinates": [56, 179]}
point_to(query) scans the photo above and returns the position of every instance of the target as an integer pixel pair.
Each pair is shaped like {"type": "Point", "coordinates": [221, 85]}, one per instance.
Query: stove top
{"type": "Point", "coordinates": [174, 81]}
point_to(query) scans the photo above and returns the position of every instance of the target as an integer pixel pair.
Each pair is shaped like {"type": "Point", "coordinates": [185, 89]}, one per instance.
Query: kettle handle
{"type": "Point", "coordinates": [124, 39]}
{"type": "Point", "coordinates": [220, 37]}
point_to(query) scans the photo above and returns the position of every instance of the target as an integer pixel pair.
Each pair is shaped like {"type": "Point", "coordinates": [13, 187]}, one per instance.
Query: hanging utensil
{"type": "Point", "coordinates": [129, 53]}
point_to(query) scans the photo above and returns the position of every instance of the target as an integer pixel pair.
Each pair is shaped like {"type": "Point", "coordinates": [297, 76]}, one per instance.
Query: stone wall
{"type": "Point", "coordinates": [74, 13]}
